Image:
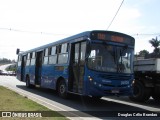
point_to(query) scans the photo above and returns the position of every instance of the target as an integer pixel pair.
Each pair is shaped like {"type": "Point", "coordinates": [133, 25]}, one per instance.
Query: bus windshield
{"type": "Point", "coordinates": [109, 58]}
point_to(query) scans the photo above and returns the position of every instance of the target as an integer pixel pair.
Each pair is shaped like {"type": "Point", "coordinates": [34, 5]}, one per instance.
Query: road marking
{"type": "Point", "coordinates": [152, 109]}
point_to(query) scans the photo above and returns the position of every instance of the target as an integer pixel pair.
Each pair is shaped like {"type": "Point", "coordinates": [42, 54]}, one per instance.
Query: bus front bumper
{"type": "Point", "coordinates": [99, 90]}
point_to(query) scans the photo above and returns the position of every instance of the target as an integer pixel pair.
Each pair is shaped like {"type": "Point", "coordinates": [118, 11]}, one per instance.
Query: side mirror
{"type": "Point", "coordinates": [17, 51]}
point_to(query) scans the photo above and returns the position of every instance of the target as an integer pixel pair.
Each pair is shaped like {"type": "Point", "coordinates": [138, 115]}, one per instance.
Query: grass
{"type": "Point", "coordinates": [11, 68]}
{"type": "Point", "coordinates": [12, 101]}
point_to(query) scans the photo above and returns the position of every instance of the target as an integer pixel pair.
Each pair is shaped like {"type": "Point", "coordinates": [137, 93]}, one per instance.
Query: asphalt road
{"type": "Point", "coordinates": [77, 107]}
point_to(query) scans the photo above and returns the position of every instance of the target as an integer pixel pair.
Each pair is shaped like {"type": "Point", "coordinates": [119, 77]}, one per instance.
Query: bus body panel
{"type": "Point", "coordinates": [51, 73]}
{"type": "Point", "coordinates": [32, 74]}
{"type": "Point", "coordinates": [105, 84]}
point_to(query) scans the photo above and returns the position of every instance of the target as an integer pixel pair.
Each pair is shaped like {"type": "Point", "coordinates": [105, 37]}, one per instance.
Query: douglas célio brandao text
{"type": "Point", "coordinates": [134, 114]}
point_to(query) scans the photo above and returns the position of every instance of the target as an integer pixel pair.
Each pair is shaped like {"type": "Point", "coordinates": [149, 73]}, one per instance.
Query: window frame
{"type": "Point", "coordinates": [46, 56]}
{"type": "Point", "coordinates": [63, 55]}
{"type": "Point", "coordinates": [52, 58]}
{"type": "Point", "coordinates": [33, 58]}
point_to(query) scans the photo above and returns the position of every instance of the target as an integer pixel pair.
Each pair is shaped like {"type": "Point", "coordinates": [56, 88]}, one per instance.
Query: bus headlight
{"type": "Point", "coordinates": [100, 85]}
{"type": "Point", "coordinates": [133, 82]}
{"type": "Point", "coordinates": [90, 78]}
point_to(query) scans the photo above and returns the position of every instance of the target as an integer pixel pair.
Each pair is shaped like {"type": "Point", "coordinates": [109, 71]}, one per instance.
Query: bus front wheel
{"type": "Point", "coordinates": [62, 89]}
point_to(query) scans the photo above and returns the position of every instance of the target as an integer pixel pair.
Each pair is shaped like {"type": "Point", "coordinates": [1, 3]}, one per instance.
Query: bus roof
{"type": "Point", "coordinates": [83, 35]}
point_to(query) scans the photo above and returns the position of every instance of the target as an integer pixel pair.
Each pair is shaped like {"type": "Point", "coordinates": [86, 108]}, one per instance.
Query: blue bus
{"type": "Point", "coordinates": [94, 63]}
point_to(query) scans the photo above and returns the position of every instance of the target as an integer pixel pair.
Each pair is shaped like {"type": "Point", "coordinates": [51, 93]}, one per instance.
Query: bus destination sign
{"type": "Point", "coordinates": [120, 38]}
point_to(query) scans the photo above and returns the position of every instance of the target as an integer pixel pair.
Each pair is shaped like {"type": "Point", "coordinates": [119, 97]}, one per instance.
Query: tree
{"type": "Point", "coordinates": [155, 43]}
{"type": "Point", "coordinates": [4, 61]}
{"type": "Point", "coordinates": [143, 53]}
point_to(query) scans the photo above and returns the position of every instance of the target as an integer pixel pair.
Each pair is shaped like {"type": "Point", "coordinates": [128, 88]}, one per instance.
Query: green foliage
{"type": "Point", "coordinates": [11, 68]}
{"type": "Point", "coordinates": [143, 53]}
{"type": "Point", "coordinates": [155, 43]}
{"type": "Point", "coordinates": [5, 61]}
{"type": "Point", "coordinates": [11, 101]}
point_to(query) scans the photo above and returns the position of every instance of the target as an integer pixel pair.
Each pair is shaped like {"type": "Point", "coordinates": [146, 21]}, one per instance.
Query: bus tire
{"type": "Point", "coordinates": [156, 94]}
{"type": "Point", "coordinates": [62, 89]}
{"type": "Point", "coordinates": [28, 85]}
{"type": "Point", "coordinates": [140, 92]}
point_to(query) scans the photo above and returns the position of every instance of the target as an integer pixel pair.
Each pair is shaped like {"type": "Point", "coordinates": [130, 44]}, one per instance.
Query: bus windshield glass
{"type": "Point", "coordinates": [109, 58]}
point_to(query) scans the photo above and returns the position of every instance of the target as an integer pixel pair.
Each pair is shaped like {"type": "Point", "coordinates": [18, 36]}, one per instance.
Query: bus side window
{"type": "Point", "coordinates": [46, 52]}
{"type": "Point", "coordinates": [24, 60]}
{"type": "Point", "coordinates": [58, 49]}
{"type": "Point", "coordinates": [53, 55]}
{"type": "Point", "coordinates": [49, 51]}
{"type": "Point", "coordinates": [19, 60]}
{"type": "Point", "coordinates": [32, 58]}
{"type": "Point", "coordinates": [28, 59]}
{"type": "Point", "coordinates": [33, 55]}
{"type": "Point", "coordinates": [63, 55]}
{"type": "Point", "coordinates": [83, 51]}
{"type": "Point", "coordinates": [45, 61]}
{"type": "Point", "coordinates": [53, 51]}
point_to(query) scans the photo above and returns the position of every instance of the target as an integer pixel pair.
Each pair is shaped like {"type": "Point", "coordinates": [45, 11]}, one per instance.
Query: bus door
{"type": "Point", "coordinates": [38, 69]}
{"type": "Point", "coordinates": [78, 61]}
{"type": "Point", "coordinates": [23, 65]}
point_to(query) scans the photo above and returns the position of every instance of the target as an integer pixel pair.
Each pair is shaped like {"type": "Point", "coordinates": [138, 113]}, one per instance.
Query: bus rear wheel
{"type": "Point", "coordinates": [62, 89]}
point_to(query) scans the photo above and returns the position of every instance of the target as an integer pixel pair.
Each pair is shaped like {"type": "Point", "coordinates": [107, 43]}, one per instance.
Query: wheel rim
{"type": "Point", "coordinates": [62, 89]}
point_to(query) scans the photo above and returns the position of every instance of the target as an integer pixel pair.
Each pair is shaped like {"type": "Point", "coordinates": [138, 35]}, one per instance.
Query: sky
{"type": "Point", "coordinates": [27, 24]}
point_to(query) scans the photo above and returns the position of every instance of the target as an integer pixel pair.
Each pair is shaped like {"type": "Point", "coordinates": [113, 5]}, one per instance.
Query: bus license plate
{"type": "Point", "coordinates": [114, 91]}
